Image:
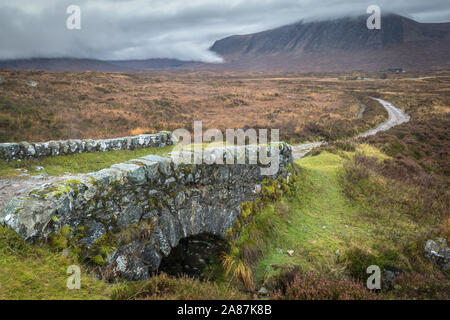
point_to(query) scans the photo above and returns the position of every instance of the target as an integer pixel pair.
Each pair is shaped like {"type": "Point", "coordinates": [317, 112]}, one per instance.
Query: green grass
{"type": "Point", "coordinates": [320, 202]}
{"type": "Point", "coordinates": [77, 163]}
{"type": "Point", "coordinates": [164, 287]}
{"type": "Point", "coordinates": [36, 273]}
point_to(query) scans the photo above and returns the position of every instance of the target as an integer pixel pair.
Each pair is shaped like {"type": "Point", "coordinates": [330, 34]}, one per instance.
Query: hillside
{"type": "Point", "coordinates": [338, 45]}
{"type": "Point", "coordinates": [62, 64]}
{"type": "Point", "coordinates": [82, 65]}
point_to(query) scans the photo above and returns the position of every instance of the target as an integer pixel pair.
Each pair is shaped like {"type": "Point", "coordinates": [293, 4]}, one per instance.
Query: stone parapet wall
{"type": "Point", "coordinates": [25, 150]}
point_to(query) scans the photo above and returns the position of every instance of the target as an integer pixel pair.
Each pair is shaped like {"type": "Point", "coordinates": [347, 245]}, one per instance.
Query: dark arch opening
{"type": "Point", "coordinates": [196, 256]}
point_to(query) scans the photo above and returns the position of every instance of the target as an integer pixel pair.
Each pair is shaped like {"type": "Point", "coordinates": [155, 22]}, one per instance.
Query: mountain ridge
{"type": "Point", "coordinates": [339, 45]}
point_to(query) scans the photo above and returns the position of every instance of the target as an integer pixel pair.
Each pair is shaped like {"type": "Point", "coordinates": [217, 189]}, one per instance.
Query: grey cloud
{"type": "Point", "coordinates": [140, 29]}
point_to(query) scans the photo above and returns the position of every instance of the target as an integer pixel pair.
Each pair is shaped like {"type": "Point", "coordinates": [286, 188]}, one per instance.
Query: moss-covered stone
{"type": "Point", "coordinates": [271, 191]}
{"type": "Point", "coordinates": [58, 242]}
{"type": "Point", "coordinates": [98, 259]}
{"type": "Point", "coordinates": [66, 232]}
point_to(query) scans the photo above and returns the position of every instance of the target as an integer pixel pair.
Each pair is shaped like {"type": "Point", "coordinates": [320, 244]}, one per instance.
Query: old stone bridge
{"type": "Point", "coordinates": [128, 217]}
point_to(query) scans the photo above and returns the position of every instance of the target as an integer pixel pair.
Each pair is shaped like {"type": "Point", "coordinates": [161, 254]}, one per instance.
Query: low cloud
{"type": "Point", "coordinates": [138, 29]}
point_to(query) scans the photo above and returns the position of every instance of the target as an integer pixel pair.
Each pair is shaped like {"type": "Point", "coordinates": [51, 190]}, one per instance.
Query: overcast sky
{"type": "Point", "coordinates": [182, 29]}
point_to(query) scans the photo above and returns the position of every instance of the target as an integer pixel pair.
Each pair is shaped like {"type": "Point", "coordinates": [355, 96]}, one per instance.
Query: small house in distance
{"type": "Point", "coordinates": [395, 70]}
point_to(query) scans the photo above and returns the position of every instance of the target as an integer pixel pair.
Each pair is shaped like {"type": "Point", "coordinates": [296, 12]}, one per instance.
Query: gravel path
{"type": "Point", "coordinates": [396, 117]}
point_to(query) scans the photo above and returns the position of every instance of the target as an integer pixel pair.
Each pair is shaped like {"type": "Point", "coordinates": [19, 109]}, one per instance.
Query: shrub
{"type": "Point", "coordinates": [447, 230]}
{"type": "Point", "coordinates": [237, 268]}
{"type": "Point", "coordinates": [357, 261]}
{"type": "Point", "coordinates": [423, 141]}
{"type": "Point", "coordinates": [319, 287]}
{"type": "Point", "coordinates": [395, 185]}
{"type": "Point", "coordinates": [420, 286]}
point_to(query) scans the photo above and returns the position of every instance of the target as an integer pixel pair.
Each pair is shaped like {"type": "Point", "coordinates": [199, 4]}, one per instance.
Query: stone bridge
{"type": "Point", "coordinates": [128, 217]}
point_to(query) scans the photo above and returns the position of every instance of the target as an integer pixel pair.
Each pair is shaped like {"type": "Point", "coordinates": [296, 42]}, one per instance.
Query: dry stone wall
{"type": "Point", "coordinates": [25, 150]}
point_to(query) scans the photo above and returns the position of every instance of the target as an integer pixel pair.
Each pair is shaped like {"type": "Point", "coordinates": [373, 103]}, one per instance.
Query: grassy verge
{"type": "Point", "coordinates": [320, 230]}
{"type": "Point", "coordinates": [35, 273]}
{"type": "Point", "coordinates": [77, 163]}
{"type": "Point", "coordinates": [163, 287]}
{"type": "Point", "coordinates": [322, 221]}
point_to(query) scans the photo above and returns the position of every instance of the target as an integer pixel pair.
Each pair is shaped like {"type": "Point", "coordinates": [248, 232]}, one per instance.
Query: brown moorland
{"type": "Point", "coordinates": [305, 107]}
{"type": "Point", "coordinates": [66, 105]}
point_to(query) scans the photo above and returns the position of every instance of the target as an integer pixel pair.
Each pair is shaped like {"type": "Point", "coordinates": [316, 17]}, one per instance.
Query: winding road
{"type": "Point", "coordinates": [396, 117]}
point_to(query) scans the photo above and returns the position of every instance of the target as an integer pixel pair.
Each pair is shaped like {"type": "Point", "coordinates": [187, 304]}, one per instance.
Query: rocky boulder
{"type": "Point", "coordinates": [439, 252]}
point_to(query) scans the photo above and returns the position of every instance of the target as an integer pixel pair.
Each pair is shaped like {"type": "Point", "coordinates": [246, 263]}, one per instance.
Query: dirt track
{"type": "Point", "coordinates": [396, 117]}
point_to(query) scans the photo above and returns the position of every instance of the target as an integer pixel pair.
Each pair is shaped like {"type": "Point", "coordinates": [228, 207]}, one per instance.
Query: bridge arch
{"type": "Point", "coordinates": [195, 256]}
